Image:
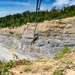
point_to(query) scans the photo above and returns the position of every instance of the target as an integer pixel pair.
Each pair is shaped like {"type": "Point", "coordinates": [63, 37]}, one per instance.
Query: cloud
{"type": "Point", "coordinates": [72, 2]}
{"type": "Point", "coordinates": [14, 3]}
{"type": "Point", "coordinates": [61, 2]}
{"type": "Point", "coordinates": [42, 8]}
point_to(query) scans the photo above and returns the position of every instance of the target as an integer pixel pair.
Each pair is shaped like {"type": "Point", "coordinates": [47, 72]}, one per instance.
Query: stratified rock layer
{"type": "Point", "coordinates": [52, 37]}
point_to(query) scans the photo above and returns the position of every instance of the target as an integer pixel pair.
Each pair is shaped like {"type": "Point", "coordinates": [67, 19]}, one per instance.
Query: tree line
{"type": "Point", "coordinates": [27, 16]}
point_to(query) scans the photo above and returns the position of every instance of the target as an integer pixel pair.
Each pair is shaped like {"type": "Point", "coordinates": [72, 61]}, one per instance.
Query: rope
{"type": "Point", "coordinates": [37, 10]}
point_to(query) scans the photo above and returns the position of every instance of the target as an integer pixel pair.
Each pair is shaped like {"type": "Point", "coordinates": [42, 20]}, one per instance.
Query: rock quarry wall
{"type": "Point", "coordinates": [54, 28]}
{"type": "Point", "coordinates": [52, 37]}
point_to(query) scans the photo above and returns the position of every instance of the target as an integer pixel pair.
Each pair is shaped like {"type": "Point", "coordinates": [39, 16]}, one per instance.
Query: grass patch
{"type": "Point", "coordinates": [24, 62]}
{"type": "Point", "coordinates": [68, 62]}
{"type": "Point", "coordinates": [73, 50]}
{"type": "Point", "coordinates": [57, 72]}
{"type": "Point", "coordinates": [61, 54]}
{"type": "Point", "coordinates": [5, 66]}
{"type": "Point", "coordinates": [47, 67]}
{"type": "Point", "coordinates": [19, 35]}
{"type": "Point", "coordinates": [27, 69]}
{"type": "Point", "coordinates": [10, 64]}
{"type": "Point", "coordinates": [60, 22]}
{"type": "Point", "coordinates": [42, 59]}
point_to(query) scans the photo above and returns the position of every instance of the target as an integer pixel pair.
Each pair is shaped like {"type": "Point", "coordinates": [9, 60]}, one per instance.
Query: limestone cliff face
{"type": "Point", "coordinates": [54, 28]}
{"type": "Point", "coordinates": [53, 36]}
{"type": "Point", "coordinates": [58, 28]}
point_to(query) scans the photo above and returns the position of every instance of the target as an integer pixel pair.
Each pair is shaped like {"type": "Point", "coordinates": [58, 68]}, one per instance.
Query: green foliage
{"type": "Point", "coordinates": [42, 59]}
{"type": "Point", "coordinates": [61, 22]}
{"type": "Point", "coordinates": [11, 33]}
{"type": "Point", "coordinates": [27, 16]}
{"type": "Point", "coordinates": [57, 72]}
{"type": "Point", "coordinates": [19, 35]}
{"type": "Point", "coordinates": [5, 66]}
{"type": "Point", "coordinates": [73, 50]}
{"type": "Point", "coordinates": [64, 51]}
{"type": "Point", "coordinates": [24, 62]}
{"type": "Point", "coordinates": [68, 62]}
{"type": "Point", "coordinates": [11, 64]}
{"type": "Point", "coordinates": [4, 70]}
{"type": "Point", "coordinates": [47, 67]}
{"type": "Point", "coordinates": [27, 69]}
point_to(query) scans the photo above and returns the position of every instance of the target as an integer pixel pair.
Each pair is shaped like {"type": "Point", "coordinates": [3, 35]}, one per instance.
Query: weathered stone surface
{"type": "Point", "coordinates": [28, 34]}
{"type": "Point", "coordinates": [44, 46]}
{"type": "Point", "coordinates": [52, 37]}
{"type": "Point", "coordinates": [7, 55]}
{"type": "Point", "coordinates": [40, 42]}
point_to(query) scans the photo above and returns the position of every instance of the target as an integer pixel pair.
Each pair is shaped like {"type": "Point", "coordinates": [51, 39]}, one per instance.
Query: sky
{"type": "Point", "coordinates": [9, 7]}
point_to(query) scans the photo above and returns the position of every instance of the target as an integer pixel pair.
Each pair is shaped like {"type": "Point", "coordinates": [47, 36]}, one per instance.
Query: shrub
{"type": "Point", "coordinates": [57, 72]}
{"type": "Point", "coordinates": [11, 33]}
{"type": "Point", "coordinates": [64, 51]}
{"type": "Point", "coordinates": [11, 64]}
{"type": "Point", "coordinates": [24, 62]}
{"type": "Point", "coordinates": [4, 70]}
{"type": "Point", "coordinates": [5, 66]}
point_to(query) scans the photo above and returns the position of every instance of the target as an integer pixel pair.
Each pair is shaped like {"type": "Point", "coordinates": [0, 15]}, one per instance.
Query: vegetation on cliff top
{"type": "Point", "coordinates": [27, 16]}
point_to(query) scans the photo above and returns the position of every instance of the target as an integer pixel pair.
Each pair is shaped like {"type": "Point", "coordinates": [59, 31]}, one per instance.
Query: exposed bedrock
{"type": "Point", "coordinates": [52, 37]}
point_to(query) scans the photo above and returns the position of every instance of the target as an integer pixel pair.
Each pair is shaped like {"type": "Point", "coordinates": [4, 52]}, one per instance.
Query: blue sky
{"type": "Point", "coordinates": [8, 7]}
